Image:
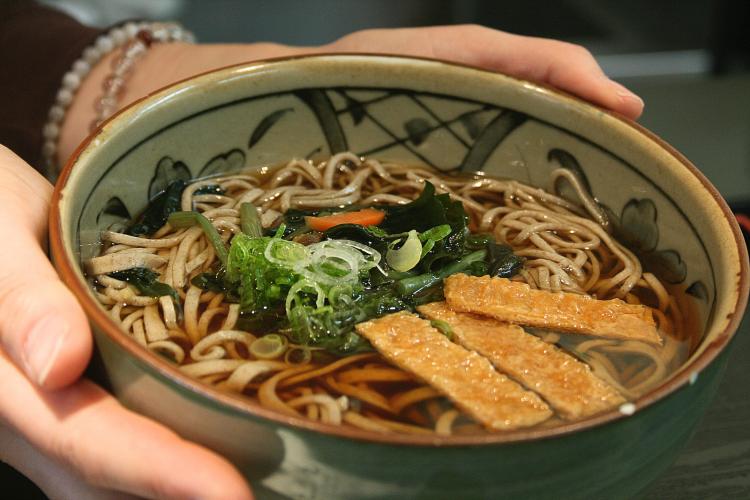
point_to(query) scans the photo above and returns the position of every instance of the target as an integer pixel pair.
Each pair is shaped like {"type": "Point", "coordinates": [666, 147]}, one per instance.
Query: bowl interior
{"type": "Point", "coordinates": [421, 112]}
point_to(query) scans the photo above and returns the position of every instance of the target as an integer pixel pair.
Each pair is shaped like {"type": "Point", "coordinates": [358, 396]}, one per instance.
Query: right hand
{"type": "Point", "coordinates": [558, 64]}
{"type": "Point", "coordinates": [69, 436]}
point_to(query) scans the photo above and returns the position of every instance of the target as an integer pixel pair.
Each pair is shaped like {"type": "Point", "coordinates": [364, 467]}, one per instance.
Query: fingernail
{"type": "Point", "coordinates": [42, 348]}
{"type": "Point", "coordinates": [625, 94]}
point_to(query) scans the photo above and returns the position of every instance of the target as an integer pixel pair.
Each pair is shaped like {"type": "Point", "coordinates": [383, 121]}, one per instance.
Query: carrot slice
{"type": "Point", "coordinates": [364, 217]}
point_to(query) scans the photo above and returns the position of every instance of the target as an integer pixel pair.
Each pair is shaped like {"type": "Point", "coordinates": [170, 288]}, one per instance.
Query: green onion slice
{"type": "Point", "coordinates": [406, 257]}
{"type": "Point", "coordinates": [286, 253]}
{"type": "Point", "coordinates": [298, 356]}
{"type": "Point", "coordinates": [269, 346]}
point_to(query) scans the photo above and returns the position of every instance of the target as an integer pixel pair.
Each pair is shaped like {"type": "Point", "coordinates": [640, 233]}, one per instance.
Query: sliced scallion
{"type": "Point", "coordinates": [269, 346]}
{"type": "Point", "coordinates": [298, 356]}
{"type": "Point", "coordinates": [405, 258]}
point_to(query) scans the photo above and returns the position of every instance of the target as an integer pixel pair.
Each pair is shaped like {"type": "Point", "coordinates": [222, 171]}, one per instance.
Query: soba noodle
{"type": "Point", "coordinates": [566, 247]}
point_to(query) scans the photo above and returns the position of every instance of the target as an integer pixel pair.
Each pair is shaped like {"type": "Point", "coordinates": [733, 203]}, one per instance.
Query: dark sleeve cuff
{"type": "Point", "coordinates": [38, 45]}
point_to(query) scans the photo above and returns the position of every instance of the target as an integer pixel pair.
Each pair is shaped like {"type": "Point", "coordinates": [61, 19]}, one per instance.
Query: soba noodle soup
{"type": "Point", "coordinates": [336, 240]}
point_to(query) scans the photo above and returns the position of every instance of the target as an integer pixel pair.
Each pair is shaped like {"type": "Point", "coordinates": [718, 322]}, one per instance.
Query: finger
{"type": "Point", "coordinates": [42, 326]}
{"type": "Point", "coordinates": [563, 65]}
{"type": "Point", "coordinates": [55, 480]}
{"type": "Point", "coordinates": [87, 430]}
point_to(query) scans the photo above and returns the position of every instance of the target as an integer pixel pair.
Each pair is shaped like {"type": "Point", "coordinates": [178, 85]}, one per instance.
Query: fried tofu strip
{"type": "Point", "coordinates": [568, 385]}
{"type": "Point", "coordinates": [518, 303]}
{"type": "Point", "coordinates": [465, 377]}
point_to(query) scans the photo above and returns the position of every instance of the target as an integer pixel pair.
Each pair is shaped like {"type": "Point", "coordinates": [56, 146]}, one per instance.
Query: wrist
{"type": "Point", "coordinates": [162, 65]}
{"type": "Point", "coordinates": [82, 110]}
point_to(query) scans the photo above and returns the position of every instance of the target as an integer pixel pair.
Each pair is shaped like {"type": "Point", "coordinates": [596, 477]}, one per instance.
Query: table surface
{"type": "Point", "coordinates": [716, 462]}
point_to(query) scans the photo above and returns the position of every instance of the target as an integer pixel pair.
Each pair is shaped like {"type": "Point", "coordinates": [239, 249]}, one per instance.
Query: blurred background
{"type": "Point", "coordinates": [688, 59]}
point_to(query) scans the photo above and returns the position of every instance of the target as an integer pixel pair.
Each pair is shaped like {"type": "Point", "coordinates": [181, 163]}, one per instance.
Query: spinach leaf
{"type": "Point", "coordinates": [472, 263]}
{"type": "Point", "coordinates": [182, 219]}
{"type": "Point", "coordinates": [250, 221]}
{"type": "Point", "coordinates": [158, 210]}
{"type": "Point", "coordinates": [432, 236]}
{"type": "Point", "coordinates": [144, 280]}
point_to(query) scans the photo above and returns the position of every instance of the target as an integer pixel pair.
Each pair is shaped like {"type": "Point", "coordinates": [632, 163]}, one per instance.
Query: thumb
{"type": "Point", "coordinates": [42, 326]}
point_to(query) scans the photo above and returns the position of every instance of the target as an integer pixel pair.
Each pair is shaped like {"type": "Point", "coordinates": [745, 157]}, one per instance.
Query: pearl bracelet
{"type": "Point", "coordinates": [135, 38]}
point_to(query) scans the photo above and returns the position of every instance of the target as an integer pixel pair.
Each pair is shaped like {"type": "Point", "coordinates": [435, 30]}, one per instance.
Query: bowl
{"type": "Point", "coordinates": [452, 118]}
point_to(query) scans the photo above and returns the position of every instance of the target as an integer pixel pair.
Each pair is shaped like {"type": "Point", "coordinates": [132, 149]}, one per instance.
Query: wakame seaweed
{"type": "Point", "coordinates": [502, 262]}
{"type": "Point", "coordinates": [210, 189]}
{"type": "Point", "coordinates": [158, 210]}
{"type": "Point", "coordinates": [163, 205]}
{"type": "Point", "coordinates": [212, 282]}
{"type": "Point", "coordinates": [145, 281]}
{"type": "Point", "coordinates": [421, 214]}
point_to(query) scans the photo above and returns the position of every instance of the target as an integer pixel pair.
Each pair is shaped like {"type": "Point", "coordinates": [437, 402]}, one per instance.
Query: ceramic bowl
{"type": "Point", "coordinates": [452, 118]}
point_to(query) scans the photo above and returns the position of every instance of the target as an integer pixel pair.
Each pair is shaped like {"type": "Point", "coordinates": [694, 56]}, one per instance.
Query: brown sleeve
{"type": "Point", "coordinates": [38, 45]}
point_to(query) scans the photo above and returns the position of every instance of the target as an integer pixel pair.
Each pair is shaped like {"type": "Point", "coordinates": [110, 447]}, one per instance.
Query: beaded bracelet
{"type": "Point", "coordinates": [135, 38]}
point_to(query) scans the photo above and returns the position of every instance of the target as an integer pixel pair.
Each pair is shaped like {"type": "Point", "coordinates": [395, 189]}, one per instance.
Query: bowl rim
{"type": "Point", "coordinates": [238, 405]}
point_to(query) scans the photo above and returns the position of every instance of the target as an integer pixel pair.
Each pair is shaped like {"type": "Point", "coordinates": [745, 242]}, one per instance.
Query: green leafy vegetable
{"type": "Point", "coordinates": [188, 219]}
{"type": "Point", "coordinates": [249, 220]}
{"type": "Point", "coordinates": [145, 281]}
{"type": "Point", "coordinates": [332, 327]}
{"type": "Point", "coordinates": [372, 236]}
{"type": "Point", "coordinates": [443, 326]}
{"type": "Point", "coordinates": [472, 263]}
{"type": "Point", "coordinates": [432, 236]}
{"type": "Point", "coordinates": [158, 210]}
{"type": "Point", "coordinates": [441, 221]}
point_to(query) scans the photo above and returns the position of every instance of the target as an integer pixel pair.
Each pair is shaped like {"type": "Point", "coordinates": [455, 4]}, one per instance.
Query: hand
{"type": "Point", "coordinates": [563, 65]}
{"type": "Point", "coordinates": [66, 434]}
